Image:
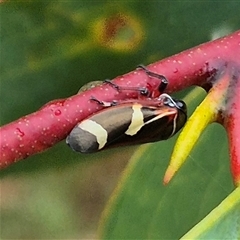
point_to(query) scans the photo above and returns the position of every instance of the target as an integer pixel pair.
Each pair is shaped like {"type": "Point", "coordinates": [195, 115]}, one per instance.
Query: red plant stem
{"type": "Point", "coordinates": [52, 123]}
{"type": "Point", "coordinates": [232, 126]}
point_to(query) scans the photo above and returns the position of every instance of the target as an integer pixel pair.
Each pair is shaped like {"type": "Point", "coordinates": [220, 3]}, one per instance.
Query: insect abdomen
{"type": "Point", "coordinates": [122, 125]}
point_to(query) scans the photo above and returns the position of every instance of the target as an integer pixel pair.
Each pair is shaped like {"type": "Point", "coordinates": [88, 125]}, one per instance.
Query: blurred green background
{"type": "Point", "coordinates": [48, 50]}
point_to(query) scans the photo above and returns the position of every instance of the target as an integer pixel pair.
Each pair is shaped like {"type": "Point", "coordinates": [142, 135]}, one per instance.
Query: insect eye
{"type": "Point", "coordinates": [174, 103]}
{"type": "Point", "coordinates": [169, 102]}
{"type": "Point", "coordinates": [181, 105]}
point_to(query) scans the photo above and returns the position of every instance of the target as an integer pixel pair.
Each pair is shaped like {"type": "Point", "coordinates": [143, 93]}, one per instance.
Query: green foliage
{"type": "Point", "coordinates": [51, 48]}
{"type": "Point", "coordinates": [222, 223]}
{"type": "Point", "coordinates": [143, 208]}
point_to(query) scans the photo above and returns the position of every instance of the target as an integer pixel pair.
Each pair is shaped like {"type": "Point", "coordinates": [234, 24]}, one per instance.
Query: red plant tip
{"type": "Point", "coordinates": [234, 148]}
{"type": "Point", "coordinates": [232, 124]}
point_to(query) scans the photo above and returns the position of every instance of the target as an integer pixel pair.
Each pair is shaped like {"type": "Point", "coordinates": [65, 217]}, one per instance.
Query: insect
{"type": "Point", "coordinates": [128, 123]}
{"type": "Point", "coordinates": [148, 91]}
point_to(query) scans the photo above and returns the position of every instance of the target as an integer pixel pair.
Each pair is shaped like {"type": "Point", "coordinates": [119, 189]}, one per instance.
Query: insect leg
{"type": "Point", "coordinates": [164, 81]}
{"type": "Point", "coordinates": [103, 103]}
{"type": "Point", "coordinates": [143, 90]}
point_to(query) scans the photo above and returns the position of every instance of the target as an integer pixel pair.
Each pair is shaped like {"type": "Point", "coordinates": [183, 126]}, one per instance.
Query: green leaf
{"type": "Point", "coordinates": [222, 223]}
{"type": "Point", "coordinates": [142, 208]}
{"type": "Point", "coordinates": [48, 51]}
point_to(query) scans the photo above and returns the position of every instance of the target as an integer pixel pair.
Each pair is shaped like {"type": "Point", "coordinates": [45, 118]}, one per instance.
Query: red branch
{"type": "Point", "coordinates": [232, 126]}
{"type": "Point", "coordinates": [52, 123]}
